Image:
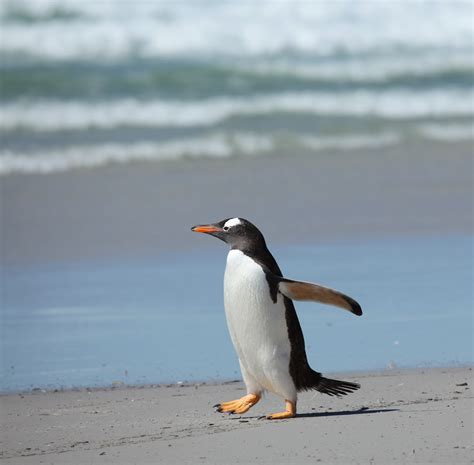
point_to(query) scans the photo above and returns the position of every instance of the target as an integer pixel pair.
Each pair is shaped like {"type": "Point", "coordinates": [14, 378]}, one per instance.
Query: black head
{"type": "Point", "coordinates": [239, 233]}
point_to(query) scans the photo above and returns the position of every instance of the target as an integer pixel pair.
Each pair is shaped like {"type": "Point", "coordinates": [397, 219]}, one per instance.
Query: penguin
{"type": "Point", "coordinates": [263, 323]}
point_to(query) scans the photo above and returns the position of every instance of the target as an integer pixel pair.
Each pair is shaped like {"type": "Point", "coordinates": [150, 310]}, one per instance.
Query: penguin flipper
{"type": "Point", "coordinates": [300, 290]}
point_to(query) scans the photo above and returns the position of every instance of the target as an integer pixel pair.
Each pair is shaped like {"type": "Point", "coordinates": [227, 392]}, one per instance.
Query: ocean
{"type": "Point", "coordinates": [344, 130]}
{"type": "Point", "coordinates": [89, 83]}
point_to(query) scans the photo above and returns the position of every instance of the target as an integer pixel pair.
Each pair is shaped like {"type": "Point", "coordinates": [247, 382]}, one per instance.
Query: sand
{"type": "Point", "coordinates": [410, 416]}
{"type": "Point", "coordinates": [146, 209]}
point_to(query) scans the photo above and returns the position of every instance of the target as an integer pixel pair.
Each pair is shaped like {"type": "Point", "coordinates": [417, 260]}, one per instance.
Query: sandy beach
{"type": "Point", "coordinates": [412, 416]}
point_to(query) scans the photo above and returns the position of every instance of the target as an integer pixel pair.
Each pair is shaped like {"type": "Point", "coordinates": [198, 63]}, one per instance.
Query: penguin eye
{"type": "Point", "coordinates": [225, 228]}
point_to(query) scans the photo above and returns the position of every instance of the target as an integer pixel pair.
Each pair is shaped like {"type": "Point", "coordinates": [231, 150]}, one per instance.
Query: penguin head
{"type": "Point", "coordinates": [239, 233]}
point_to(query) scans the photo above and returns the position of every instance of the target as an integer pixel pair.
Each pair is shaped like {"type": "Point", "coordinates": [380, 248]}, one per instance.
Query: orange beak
{"type": "Point", "coordinates": [205, 228]}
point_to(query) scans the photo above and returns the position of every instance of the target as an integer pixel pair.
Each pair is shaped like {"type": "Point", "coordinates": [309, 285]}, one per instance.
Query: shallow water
{"type": "Point", "coordinates": [161, 320]}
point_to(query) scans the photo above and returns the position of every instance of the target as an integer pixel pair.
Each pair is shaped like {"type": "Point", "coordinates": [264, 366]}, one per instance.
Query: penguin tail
{"type": "Point", "coordinates": [333, 387]}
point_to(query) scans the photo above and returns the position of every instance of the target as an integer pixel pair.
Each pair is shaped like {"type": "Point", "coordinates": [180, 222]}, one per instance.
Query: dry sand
{"type": "Point", "coordinates": [412, 416]}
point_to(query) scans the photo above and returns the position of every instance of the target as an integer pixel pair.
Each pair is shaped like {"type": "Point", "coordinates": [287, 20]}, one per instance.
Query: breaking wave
{"type": "Point", "coordinates": [60, 115]}
{"type": "Point", "coordinates": [85, 84]}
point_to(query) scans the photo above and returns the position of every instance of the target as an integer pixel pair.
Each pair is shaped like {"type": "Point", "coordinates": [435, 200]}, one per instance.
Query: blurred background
{"type": "Point", "coordinates": [344, 130]}
{"type": "Point", "coordinates": [88, 83]}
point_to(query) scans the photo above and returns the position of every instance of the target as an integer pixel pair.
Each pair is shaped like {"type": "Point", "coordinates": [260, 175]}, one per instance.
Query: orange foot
{"type": "Point", "coordinates": [290, 412]}
{"type": "Point", "coordinates": [239, 405]}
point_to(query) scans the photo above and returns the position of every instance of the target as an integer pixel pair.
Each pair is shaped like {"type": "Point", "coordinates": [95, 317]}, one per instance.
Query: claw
{"type": "Point", "coordinates": [239, 405]}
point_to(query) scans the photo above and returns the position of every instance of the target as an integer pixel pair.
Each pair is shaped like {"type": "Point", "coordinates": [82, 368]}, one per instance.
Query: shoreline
{"type": "Point", "coordinates": [409, 416]}
{"type": "Point", "coordinates": [121, 385]}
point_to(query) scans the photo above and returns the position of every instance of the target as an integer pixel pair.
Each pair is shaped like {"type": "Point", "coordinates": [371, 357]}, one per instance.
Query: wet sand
{"type": "Point", "coordinates": [144, 209]}
{"type": "Point", "coordinates": [412, 416]}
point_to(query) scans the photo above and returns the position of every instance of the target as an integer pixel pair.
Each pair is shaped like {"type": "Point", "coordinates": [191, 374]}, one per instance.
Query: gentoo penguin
{"type": "Point", "coordinates": [263, 324]}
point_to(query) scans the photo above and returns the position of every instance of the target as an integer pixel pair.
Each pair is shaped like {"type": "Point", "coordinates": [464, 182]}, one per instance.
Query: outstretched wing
{"type": "Point", "coordinates": [300, 290]}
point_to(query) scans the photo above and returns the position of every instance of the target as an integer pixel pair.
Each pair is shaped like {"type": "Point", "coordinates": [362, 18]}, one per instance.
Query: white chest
{"type": "Point", "coordinates": [257, 325]}
{"type": "Point", "coordinates": [245, 285]}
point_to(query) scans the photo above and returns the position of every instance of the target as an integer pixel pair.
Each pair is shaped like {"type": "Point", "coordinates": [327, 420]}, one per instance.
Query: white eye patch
{"type": "Point", "coordinates": [232, 222]}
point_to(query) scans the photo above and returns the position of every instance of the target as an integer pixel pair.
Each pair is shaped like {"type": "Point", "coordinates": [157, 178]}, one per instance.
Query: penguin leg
{"type": "Point", "coordinates": [290, 412]}
{"type": "Point", "coordinates": [243, 404]}
{"type": "Point", "coordinates": [239, 405]}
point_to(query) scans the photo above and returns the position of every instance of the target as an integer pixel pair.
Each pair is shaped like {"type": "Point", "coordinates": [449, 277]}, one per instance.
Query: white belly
{"type": "Point", "coordinates": [257, 325]}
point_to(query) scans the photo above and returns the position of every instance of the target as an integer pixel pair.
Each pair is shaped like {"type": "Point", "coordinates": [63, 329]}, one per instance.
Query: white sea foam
{"type": "Point", "coordinates": [212, 146]}
{"type": "Point", "coordinates": [112, 29]}
{"type": "Point", "coordinates": [393, 104]}
{"type": "Point", "coordinates": [447, 132]}
{"type": "Point", "coordinates": [350, 142]}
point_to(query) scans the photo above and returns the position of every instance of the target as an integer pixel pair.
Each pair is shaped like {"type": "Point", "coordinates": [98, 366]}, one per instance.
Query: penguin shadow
{"type": "Point", "coordinates": [341, 413]}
